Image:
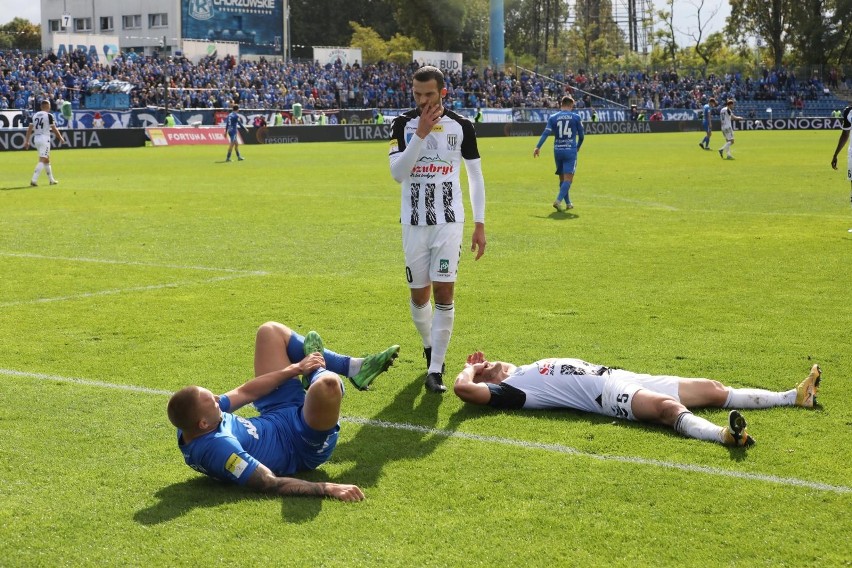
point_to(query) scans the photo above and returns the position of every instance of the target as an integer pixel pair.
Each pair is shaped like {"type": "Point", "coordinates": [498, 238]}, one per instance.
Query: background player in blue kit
{"type": "Point", "coordinates": [707, 122]}
{"type": "Point", "coordinates": [568, 134]}
{"type": "Point", "coordinates": [295, 431]}
{"type": "Point", "coordinates": [233, 124]}
{"type": "Point", "coordinates": [663, 399]}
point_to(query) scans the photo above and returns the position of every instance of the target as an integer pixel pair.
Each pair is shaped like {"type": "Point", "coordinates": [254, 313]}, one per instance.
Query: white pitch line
{"type": "Point", "coordinates": [123, 290]}
{"type": "Point", "coordinates": [556, 448]}
{"type": "Point", "coordinates": [131, 263]}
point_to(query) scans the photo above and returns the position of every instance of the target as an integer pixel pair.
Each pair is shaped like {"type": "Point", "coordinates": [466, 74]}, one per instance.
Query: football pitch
{"type": "Point", "coordinates": [149, 269]}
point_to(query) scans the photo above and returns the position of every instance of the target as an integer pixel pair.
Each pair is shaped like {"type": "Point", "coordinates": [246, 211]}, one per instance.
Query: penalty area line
{"type": "Point", "coordinates": [523, 444]}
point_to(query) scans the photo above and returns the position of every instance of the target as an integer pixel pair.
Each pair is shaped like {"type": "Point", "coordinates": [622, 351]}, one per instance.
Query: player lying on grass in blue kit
{"type": "Point", "coordinates": [298, 426]}
{"type": "Point", "coordinates": [663, 399]}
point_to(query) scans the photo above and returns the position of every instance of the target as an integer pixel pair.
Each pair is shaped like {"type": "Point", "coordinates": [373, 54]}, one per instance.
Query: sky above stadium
{"type": "Point", "coordinates": [684, 11]}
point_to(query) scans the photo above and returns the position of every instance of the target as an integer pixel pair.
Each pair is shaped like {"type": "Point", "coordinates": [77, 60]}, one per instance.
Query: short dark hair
{"type": "Point", "coordinates": [235, 107]}
{"type": "Point", "coordinates": [712, 100]}
{"type": "Point", "coordinates": [567, 100]}
{"type": "Point", "coordinates": [183, 408]}
{"type": "Point", "coordinates": [429, 72]}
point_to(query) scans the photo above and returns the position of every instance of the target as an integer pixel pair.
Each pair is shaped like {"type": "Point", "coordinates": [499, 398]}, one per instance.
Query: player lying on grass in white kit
{"type": "Point", "coordinates": [663, 399]}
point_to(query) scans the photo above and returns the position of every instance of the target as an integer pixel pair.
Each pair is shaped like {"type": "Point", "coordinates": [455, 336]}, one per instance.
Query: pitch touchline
{"type": "Point", "coordinates": [556, 448]}
{"type": "Point", "coordinates": [131, 263]}
{"type": "Point", "coordinates": [122, 290]}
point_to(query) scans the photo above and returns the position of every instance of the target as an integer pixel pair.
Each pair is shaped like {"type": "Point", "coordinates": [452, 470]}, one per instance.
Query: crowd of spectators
{"type": "Point", "coordinates": [263, 84]}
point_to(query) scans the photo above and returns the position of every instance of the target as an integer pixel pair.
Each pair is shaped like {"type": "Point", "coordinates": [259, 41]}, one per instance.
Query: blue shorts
{"type": "Point", "coordinates": [566, 161]}
{"type": "Point", "coordinates": [308, 448]}
{"type": "Point", "coordinates": [232, 136]}
{"type": "Point", "coordinates": [705, 126]}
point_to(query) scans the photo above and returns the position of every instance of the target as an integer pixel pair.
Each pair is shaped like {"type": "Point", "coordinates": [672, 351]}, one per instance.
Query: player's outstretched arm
{"type": "Point", "coordinates": [262, 479]}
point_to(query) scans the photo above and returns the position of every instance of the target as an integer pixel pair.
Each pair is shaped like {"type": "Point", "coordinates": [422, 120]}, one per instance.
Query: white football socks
{"type": "Point", "coordinates": [759, 398]}
{"type": "Point", "coordinates": [442, 330]}
{"type": "Point", "coordinates": [693, 426]}
{"type": "Point", "coordinates": [422, 317]}
{"type": "Point", "coordinates": [38, 168]}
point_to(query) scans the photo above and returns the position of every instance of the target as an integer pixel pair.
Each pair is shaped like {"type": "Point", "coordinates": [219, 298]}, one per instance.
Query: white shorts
{"type": "Point", "coordinates": [42, 144]}
{"type": "Point", "coordinates": [728, 133]}
{"type": "Point", "coordinates": [849, 164]}
{"type": "Point", "coordinates": [620, 386]}
{"type": "Point", "coordinates": [432, 253]}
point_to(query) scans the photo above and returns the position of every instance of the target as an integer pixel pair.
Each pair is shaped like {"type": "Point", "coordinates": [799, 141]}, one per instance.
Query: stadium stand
{"type": "Point", "coordinates": [135, 81]}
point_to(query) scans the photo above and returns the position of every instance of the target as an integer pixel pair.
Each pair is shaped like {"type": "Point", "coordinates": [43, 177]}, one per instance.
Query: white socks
{"type": "Point", "coordinates": [442, 329]}
{"type": "Point", "coordinates": [422, 317]}
{"type": "Point", "coordinates": [692, 426]}
{"type": "Point", "coordinates": [759, 398]}
{"type": "Point", "coordinates": [38, 168]}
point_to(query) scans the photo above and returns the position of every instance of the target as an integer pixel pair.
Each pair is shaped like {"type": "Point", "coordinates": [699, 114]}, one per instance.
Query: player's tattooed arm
{"type": "Point", "coordinates": [262, 479]}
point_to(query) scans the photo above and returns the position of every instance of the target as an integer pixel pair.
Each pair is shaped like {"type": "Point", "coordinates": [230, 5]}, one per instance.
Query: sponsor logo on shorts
{"type": "Point", "coordinates": [444, 266]}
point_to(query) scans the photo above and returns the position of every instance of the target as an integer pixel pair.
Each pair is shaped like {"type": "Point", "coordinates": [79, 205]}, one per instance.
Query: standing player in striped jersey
{"type": "Point", "coordinates": [707, 123]}
{"type": "Point", "coordinates": [42, 125]}
{"type": "Point", "coordinates": [728, 117]}
{"type": "Point", "coordinates": [427, 146]}
{"type": "Point", "coordinates": [568, 135]}
{"type": "Point", "coordinates": [846, 126]}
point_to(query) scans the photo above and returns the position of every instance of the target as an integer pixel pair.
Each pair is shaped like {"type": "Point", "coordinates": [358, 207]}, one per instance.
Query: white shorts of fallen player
{"type": "Point", "coordinates": [620, 387]}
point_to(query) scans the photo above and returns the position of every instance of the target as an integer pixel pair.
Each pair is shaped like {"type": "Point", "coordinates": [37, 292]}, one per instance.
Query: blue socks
{"type": "Point", "coordinates": [335, 362]}
{"type": "Point", "coordinates": [564, 188]}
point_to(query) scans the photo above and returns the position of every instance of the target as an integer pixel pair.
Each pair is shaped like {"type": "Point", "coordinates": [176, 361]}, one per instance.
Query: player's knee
{"type": "Point", "coordinates": [272, 329]}
{"type": "Point", "coordinates": [668, 410]}
{"type": "Point", "coordinates": [717, 393]}
{"type": "Point", "coordinates": [328, 386]}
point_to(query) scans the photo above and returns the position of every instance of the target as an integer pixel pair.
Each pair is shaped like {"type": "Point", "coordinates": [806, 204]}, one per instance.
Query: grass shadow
{"type": "Point", "coordinates": [180, 498]}
{"type": "Point", "coordinates": [409, 437]}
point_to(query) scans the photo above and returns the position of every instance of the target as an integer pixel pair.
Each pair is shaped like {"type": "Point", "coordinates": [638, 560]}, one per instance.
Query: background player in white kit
{"type": "Point", "coordinates": [846, 126]}
{"type": "Point", "coordinates": [576, 384]}
{"type": "Point", "coordinates": [427, 146]}
{"type": "Point", "coordinates": [42, 125]}
{"type": "Point", "coordinates": [728, 117]}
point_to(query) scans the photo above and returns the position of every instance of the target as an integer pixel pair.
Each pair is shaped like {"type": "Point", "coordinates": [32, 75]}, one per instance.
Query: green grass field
{"type": "Point", "coordinates": [151, 268]}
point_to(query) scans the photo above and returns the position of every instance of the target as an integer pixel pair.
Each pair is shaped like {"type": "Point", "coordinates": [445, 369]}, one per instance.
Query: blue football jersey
{"type": "Point", "coordinates": [237, 446]}
{"type": "Point", "coordinates": [232, 123]}
{"type": "Point", "coordinates": [567, 129]}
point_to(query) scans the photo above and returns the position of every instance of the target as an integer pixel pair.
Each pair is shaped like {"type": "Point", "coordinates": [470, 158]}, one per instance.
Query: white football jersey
{"type": "Point", "coordinates": [42, 121]}
{"type": "Point", "coordinates": [431, 194]}
{"type": "Point", "coordinates": [552, 383]}
{"type": "Point", "coordinates": [727, 122]}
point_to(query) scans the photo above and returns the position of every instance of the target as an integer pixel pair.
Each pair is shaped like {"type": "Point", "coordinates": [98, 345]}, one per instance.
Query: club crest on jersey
{"type": "Point", "coordinates": [546, 369]}
{"type": "Point", "coordinates": [452, 140]}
